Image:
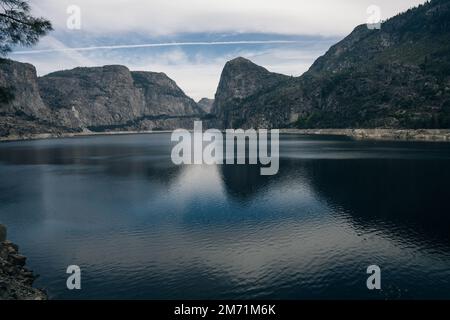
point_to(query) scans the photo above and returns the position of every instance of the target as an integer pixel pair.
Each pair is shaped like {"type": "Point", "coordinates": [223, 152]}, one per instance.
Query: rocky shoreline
{"type": "Point", "coordinates": [60, 135]}
{"type": "Point", "coordinates": [436, 135]}
{"type": "Point", "coordinates": [16, 280]}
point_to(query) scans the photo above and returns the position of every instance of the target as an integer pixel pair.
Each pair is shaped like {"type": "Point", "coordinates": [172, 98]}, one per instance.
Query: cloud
{"type": "Point", "coordinates": [153, 45]}
{"type": "Point", "coordinates": [157, 17]}
{"type": "Point", "coordinates": [69, 54]}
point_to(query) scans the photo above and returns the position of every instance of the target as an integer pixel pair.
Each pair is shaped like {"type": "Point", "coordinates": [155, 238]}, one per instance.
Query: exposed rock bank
{"type": "Point", "coordinates": [16, 280]}
{"type": "Point", "coordinates": [380, 134]}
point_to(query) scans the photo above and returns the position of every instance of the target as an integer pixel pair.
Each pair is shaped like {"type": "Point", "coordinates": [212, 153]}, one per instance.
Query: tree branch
{"type": "Point", "coordinates": [16, 20]}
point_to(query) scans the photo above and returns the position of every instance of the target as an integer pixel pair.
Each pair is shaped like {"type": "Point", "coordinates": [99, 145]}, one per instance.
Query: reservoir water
{"type": "Point", "coordinates": [141, 227]}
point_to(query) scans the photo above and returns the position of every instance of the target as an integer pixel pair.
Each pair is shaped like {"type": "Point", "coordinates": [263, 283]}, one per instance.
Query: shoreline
{"type": "Point", "coordinates": [16, 278]}
{"type": "Point", "coordinates": [62, 135]}
{"type": "Point", "coordinates": [431, 135]}
{"type": "Point", "coordinates": [427, 135]}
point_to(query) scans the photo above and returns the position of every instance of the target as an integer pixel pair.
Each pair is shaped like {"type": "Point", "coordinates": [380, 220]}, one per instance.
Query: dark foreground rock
{"type": "Point", "coordinates": [16, 280]}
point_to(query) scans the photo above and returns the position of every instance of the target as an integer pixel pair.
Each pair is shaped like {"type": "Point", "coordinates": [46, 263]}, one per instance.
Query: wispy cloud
{"type": "Point", "coordinates": [156, 17]}
{"type": "Point", "coordinates": [155, 45]}
{"type": "Point", "coordinates": [69, 54]}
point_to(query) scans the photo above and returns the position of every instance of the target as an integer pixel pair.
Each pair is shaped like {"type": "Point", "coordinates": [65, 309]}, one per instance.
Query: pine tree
{"type": "Point", "coordinates": [18, 26]}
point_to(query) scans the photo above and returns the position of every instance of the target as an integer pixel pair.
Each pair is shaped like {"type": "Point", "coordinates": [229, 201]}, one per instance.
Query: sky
{"type": "Point", "coordinates": [191, 40]}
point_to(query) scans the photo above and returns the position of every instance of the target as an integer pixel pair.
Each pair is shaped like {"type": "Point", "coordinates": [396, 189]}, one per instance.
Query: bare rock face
{"type": "Point", "coordinates": [162, 97]}
{"type": "Point", "coordinates": [105, 98]}
{"type": "Point", "coordinates": [206, 105]}
{"type": "Point", "coordinates": [20, 81]}
{"type": "Point", "coordinates": [112, 97]}
{"type": "Point", "coordinates": [16, 280]}
{"type": "Point", "coordinates": [240, 80]}
{"type": "Point", "coordinates": [22, 110]}
{"type": "Point", "coordinates": [87, 97]}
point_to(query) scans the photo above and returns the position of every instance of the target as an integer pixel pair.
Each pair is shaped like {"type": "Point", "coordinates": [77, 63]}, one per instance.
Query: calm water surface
{"type": "Point", "coordinates": [140, 227]}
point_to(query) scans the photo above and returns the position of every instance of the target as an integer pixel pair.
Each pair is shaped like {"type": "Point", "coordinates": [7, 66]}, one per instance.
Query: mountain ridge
{"type": "Point", "coordinates": [103, 98]}
{"type": "Point", "coordinates": [395, 77]}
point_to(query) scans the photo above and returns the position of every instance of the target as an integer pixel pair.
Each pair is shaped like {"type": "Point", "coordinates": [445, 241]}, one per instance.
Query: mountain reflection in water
{"type": "Point", "coordinates": [141, 227]}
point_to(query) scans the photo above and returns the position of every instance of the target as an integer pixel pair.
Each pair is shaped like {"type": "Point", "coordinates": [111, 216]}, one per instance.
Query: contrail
{"type": "Point", "coordinates": [152, 45]}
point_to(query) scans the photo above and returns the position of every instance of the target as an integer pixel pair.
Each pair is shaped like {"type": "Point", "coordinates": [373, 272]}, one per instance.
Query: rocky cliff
{"type": "Point", "coordinates": [395, 77]}
{"type": "Point", "coordinates": [96, 99]}
{"type": "Point", "coordinates": [111, 97]}
{"type": "Point", "coordinates": [22, 110]}
{"type": "Point", "coordinates": [16, 280]}
{"type": "Point", "coordinates": [241, 79]}
{"type": "Point", "coordinates": [206, 105]}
